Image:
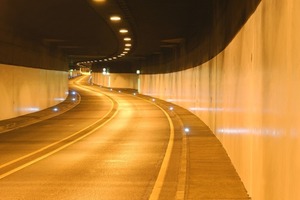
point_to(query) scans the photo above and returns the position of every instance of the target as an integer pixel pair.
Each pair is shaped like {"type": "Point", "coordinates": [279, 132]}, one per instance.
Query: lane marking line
{"type": "Point", "coordinates": [180, 194]}
{"type": "Point", "coordinates": [55, 143]}
{"type": "Point", "coordinates": [164, 166]}
{"type": "Point", "coordinates": [54, 151]}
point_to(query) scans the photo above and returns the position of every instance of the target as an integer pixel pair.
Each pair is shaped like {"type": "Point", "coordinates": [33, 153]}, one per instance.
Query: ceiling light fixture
{"type": "Point", "coordinates": [115, 18]}
{"type": "Point", "coordinates": [99, 1]}
{"type": "Point", "coordinates": [123, 31]}
{"type": "Point", "coordinates": [127, 39]}
{"type": "Point", "coordinates": [127, 45]}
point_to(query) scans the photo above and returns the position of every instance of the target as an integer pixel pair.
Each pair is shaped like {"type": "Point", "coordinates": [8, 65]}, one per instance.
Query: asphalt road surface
{"type": "Point", "coordinates": [112, 145]}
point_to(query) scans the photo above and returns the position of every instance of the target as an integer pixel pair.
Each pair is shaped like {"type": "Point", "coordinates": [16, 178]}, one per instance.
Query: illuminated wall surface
{"type": "Point", "coordinates": [116, 80]}
{"type": "Point", "coordinates": [25, 90]}
{"type": "Point", "coordinates": [249, 95]}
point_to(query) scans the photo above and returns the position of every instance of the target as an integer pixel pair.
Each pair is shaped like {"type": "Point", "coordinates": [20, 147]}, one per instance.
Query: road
{"type": "Point", "coordinates": [112, 145]}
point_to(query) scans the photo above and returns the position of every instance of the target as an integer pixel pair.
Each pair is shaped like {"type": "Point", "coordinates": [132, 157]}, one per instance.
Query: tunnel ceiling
{"type": "Point", "coordinates": [83, 31]}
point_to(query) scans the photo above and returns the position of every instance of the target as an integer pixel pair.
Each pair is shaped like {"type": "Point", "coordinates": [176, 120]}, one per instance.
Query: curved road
{"type": "Point", "coordinates": [112, 145]}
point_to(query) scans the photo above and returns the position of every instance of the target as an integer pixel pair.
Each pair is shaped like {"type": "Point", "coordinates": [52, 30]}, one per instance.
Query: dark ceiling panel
{"type": "Point", "coordinates": [160, 30]}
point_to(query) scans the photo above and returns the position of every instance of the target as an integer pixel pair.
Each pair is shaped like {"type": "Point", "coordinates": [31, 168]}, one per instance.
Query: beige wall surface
{"type": "Point", "coordinates": [249, 95]}
{"type": "Point", "coordinates": [116, 80]}
{"type": "Point", "coordinates": [25, 90]}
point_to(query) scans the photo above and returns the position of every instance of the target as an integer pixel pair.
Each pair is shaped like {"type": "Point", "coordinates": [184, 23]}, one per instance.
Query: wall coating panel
{"type": "Point", "coordinates": [249, 96]}
{"type": "Point", "coordinates": [25, 90]}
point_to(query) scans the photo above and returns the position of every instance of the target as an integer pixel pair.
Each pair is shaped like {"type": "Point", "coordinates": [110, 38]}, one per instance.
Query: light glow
{"type": "Point", "coordinates": [115, 18]}
{"type": "Point", "coordinates": [30, 109]}
{"type": "Point", "coordinates": [127, 39]}
{"type": "Point", "coordinates": [127, 45]}
{"type": "Point", "coordinates": [123, 31]}
{"type": "Point", "coordinates": [59, 99]}
{"type": "Point", "coordinates": [205, 109]}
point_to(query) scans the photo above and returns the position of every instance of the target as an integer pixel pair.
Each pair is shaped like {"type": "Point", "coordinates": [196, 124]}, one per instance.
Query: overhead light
{"type": "Point", "coordinates": [124, 52]}
{"type": "Point", "coordinates": [114, 57]}
{"type": "Point", "coordinates": [123, 31]}
{"type": "Point", "coordinates": [115, 18]}
{"type": "Point", "coordinates": [127, 39]}
{"type": "Point", "coordinates": [127, 49]}
{"type": "Point", "coordinates": [99, 1]}
{"type": "Point", "coordinates": [186, 130]}
{"type": "Point", "coordinates": [127, 45]}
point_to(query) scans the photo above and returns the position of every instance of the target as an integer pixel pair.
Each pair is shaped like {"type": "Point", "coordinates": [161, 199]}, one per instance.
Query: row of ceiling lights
{"type": "Point", "coordinates": [123, 31]}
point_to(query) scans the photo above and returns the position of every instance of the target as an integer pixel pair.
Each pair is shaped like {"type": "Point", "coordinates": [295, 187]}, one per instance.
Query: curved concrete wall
{"type": "Point", "coordinates": [116, 80]}
{"type": "Point", "coordinates": [25, 90]}
{"type": "Point", "coordinates": [249, 96]}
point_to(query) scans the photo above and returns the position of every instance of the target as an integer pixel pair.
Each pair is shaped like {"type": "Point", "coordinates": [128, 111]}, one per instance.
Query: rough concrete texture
{"type": "Point", "coordinates": [26, 90]}
{"type": "Point", "coordinates": [249, 96]}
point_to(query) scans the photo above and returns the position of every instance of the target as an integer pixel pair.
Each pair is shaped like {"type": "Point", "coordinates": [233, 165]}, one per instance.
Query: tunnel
{"type": "Point", "coordinates": [173, 100]}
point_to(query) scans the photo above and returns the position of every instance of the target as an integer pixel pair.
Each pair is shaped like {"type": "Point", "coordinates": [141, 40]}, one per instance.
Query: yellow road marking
{"type": "Point", "coordinates": [55, 143]}
{"type": "Point", "coordinates": [164, 166]}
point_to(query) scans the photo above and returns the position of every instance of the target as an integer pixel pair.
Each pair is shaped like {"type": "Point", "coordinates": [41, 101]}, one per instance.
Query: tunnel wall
{"type": "Point", "coordinates": [249, 96]}
{"type": "Point", "coordinates": [116, 80]}
{"type": "Point", "coordinates": [25, 90]}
